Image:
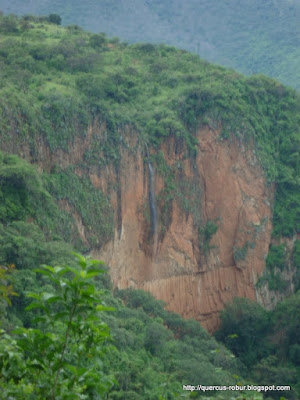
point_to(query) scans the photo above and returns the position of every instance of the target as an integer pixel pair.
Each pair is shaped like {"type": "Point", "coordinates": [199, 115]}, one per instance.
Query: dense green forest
{"type": "Point", "coordinates": [54, 83]}
{"type": "Point", "coordinates": [250, 36]}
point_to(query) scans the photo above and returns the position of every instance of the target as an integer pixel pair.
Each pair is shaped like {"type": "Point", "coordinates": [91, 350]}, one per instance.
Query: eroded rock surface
{"type": "Point", "coordinates": [224, 184]}
{"type": "Point", "coordinates": [232, 192]}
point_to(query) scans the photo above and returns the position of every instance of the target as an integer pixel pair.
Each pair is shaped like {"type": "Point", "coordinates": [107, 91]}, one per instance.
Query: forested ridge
{"type": "Point", "coordinates": [54, 84]}
{"type": "Point", "coordinates": [251, 36]}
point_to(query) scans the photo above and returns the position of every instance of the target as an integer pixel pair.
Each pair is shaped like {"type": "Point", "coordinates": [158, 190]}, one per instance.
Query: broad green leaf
{"type": "Point", "coordinates": [91, 274]}
{"type": "Point", "coordinates": [83, 274]}
{"type": "Point", "coordinates": [47, 267]}
{"type": "Point", "coordinates": [46, 296]}
{"type": "Point", "coordinates": [100, 307]}
{"type": "Point", "coordinates": [96, 262]}
{"type": "Point", "coordinates": [34, 295]}
{"type": "Point", "coordinates": [54, 299]}
{"type": "Point", "coordinates": [43, 272]}
{"type": "Point", "coordinates": [81, 260]}
{"type": "Point", "coordinates": [34, 305]}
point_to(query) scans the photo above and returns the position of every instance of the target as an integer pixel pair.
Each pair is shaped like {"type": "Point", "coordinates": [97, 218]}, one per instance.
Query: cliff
{"type": "Point", "coordinates": [174, 171]}
{"type": "Point", "coordinates": [226, 185]}
{"type": "Point", "coordinates": [223, 184]}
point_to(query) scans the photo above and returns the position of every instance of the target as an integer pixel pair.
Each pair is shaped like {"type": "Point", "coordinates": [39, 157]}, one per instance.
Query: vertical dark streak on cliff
{"type": "Point", "coordinates": [153, 209]}
{"type": "Point", "coordinates": [119, 200]}
{"type": "Point", "coordinates": [152, 202]}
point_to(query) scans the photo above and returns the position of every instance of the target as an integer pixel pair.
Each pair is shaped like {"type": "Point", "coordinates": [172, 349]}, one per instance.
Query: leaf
{"type": "Point", "coordinates": [20, 331]}
{"type": "Point", "coordinates": [34, 295]}
{"type": "Point", "coordinates": [96, 262]}
{"type": "Point", "coordinates": [48, 268]}
{"type": "Point", "coordinates": [36, 364]}
{"type": "Point", "coordinates": [50, 297]}
{"type": "Point", "coordinates": [54, 299]}
{"type": "Point", "coordinates": [34, 305]}
{"type": "Point", "coordinates": [90, 289]}
{"type": "Point", "coordinates": [92, 273]}
{"type": "Point", "coordinates": [100, 307]}
{"type": "Point", "coordinates": [83, 274]}
{"type": "Point", "coordinates": [63, 271]}
{"type": "Point", "coordinates": [43, 272]}
{"type": "Point", "coordinates": [81, 260]}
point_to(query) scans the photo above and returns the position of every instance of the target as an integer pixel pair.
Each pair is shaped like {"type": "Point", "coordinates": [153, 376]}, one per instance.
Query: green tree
{"type": "Point", "coordinates": [9, 24]}
{"type": "Point", "coordinates": [54, 19]}
{"type": "Point", "coordinates": [61, 357]}
{"type": "Point", "coordinates": [244, 326]}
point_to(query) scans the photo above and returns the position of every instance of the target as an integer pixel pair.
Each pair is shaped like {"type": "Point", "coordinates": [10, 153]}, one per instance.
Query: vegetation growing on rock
{"type": "Point", "coordinates": [63, 88]}
{"type": "Point", "coordinates": [58, 82]}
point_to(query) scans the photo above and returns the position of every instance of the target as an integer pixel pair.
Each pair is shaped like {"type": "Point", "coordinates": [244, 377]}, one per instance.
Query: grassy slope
{"type": "Point", "coordinates": [252, 36]}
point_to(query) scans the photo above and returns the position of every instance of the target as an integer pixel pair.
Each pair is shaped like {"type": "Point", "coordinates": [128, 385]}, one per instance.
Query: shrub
{"type": "Point", "coordinates": [54, 19]}
{"type": "Point", "coordinates": [60, 358]}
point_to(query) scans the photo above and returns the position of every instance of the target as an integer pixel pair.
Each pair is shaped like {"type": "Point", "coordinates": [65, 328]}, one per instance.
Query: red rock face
{"type": "Point", "coordinates": [224, 183]}
{"type": "Point", "coordinates": [231, 191]}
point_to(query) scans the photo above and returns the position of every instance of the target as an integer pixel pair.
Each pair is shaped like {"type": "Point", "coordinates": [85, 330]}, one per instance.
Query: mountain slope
{"type": "Point", "coordinates": [97, 116]}
{"type": "Point", "coordinates": [183, 175]}
{"type": "Point", "coordinates": [251, 36]}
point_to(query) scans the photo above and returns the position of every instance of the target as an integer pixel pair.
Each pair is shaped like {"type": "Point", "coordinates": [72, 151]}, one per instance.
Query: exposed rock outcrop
{"type": "Point", "coordinates": [223, 183]}
{"type": "Point", "coordinates": [232, 191]}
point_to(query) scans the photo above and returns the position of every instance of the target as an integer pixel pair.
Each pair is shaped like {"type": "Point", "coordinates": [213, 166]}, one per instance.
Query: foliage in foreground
{"type": "Point", "coordinates": [60, 358]}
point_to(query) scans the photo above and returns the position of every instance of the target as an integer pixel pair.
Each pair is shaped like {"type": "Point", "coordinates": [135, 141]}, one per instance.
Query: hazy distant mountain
{"type": "Point", "coordinates": [252, 36]}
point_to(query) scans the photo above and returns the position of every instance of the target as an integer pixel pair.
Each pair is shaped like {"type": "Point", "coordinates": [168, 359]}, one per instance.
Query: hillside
{"type": "Point", "coordinates": [77, 104]}
{"type": "Point", "coordinates": [250, 36]}
{"type": "Point", "coordinates": [150, 352]}
{"type": "Point", "coordinates": [183, 176]}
